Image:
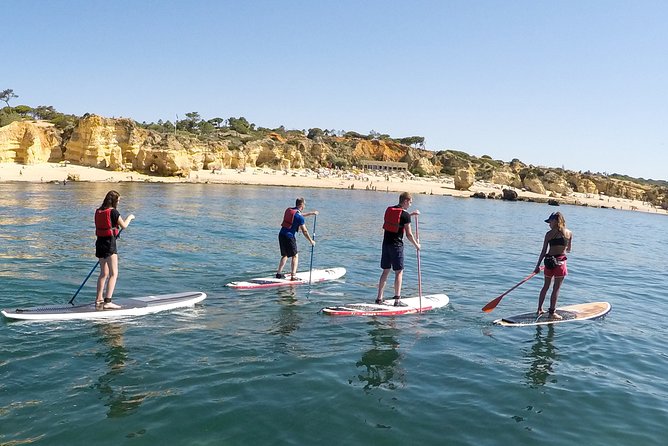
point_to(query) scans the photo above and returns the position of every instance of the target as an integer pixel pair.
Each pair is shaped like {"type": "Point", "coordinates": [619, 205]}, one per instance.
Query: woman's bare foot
{"type": "Point", "coordinates": [539, 313]}
{"type": "Point", "coordinates": [555, 316]}
{"type": "Point", "coordinates": [111, 306]}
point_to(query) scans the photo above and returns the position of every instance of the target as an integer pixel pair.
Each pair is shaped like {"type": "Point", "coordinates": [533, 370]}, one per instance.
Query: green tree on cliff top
{"type": "Point", "coordinates": [7, 95]}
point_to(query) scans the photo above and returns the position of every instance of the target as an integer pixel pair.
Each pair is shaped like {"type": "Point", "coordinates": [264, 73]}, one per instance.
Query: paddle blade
{"type": "Point", "coordinates": [492, 305]}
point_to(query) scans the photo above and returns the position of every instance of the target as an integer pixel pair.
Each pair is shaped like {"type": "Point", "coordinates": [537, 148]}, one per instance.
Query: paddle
{"type": "Point", "coordinates": [71, 302]}
{"type": "Point", "coordinates": [310, 270]}
{"type": "Point", "coordinates": [419, 272]}
{"type": "Point", "coordinates": [493, 303]}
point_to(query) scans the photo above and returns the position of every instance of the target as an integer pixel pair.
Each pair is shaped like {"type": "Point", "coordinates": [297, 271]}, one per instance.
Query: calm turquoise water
{"type": "Point", "coordinates": [266, 368]}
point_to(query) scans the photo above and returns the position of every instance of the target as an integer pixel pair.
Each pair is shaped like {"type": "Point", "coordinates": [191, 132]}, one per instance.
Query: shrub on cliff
{"type": "Point", "coordinates": [7, 116]}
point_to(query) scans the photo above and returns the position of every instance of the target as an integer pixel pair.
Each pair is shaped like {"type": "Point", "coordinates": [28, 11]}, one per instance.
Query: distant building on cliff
{"type": "Point", "coordinates": [384, 165]}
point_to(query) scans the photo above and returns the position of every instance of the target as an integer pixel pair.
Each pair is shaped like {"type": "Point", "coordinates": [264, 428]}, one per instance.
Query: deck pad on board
{"type": "Point", "coordinates": [579, 312]}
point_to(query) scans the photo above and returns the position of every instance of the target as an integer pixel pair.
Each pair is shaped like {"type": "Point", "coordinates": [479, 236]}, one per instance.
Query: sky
{"type": "Point", "coordinates": [579, 84]}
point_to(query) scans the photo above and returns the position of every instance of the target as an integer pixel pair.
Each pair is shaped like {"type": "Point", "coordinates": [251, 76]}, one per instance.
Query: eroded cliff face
{"type": "Point", "coordinates": [29, 142]}
{"type": "Point", "coordinates": [121, 144]}
{"type": "Point", "coordinates": [106, 143]}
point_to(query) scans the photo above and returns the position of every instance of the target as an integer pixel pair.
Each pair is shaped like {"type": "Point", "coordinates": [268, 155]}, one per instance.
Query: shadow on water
{"type": "Point", "coordinates": [380, 361]}
{"type": "Point", "coordinates": [542, 356]}
{"type": "Point", "coordinates": [117, 399]}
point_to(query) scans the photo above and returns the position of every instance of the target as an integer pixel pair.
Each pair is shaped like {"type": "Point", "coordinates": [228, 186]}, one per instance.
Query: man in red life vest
{"type": "Point", "coordinates": [397, 221]}
{"type": "Point", "coordinates": [293, 222]}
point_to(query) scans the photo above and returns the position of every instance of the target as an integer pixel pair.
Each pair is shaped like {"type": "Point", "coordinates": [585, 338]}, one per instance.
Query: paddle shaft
{"type": "Point", "coordinates": [419, 270]}
{"type": "Point", "coordinates": [310, 269]}
{"type": "Point", "coordinates": [494, 302]}
{"type": "Point", "coordinates": [71, 302]}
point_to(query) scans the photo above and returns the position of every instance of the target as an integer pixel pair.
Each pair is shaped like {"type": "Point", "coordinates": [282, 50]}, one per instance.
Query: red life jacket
{"type": "Point", "coordinates": [289, 217]}
{"type": "Point", "coordinates": [392, 218]}
{"type": "Point", "coordinates": [103, 226]}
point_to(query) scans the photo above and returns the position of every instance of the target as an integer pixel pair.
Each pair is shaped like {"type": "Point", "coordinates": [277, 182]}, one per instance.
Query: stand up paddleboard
{"type": "Point", "coordinates": [412, 305]}
{"type": "Point", "coordinates": [134, 306]}
{"type": "Point", "coordinates": [570, 313]}
{"type": "Point", "coordinates": [316, 275]}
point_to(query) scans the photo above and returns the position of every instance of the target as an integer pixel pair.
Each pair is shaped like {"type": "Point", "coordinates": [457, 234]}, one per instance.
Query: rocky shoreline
{"type": "Point", "coordinates": [63, 172]}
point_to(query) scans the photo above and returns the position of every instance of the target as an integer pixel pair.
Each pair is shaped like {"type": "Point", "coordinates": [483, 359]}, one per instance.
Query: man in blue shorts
{"type": "Point", "coordinates": [293, 222]}
{"type": "Point", "coordinates": [397, 221]}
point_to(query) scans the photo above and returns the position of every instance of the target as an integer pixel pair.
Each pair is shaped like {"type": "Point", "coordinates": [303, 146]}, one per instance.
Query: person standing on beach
{"type": "Point", "coordinates": [107, 223]}
{"type": "Point", "coordinates": [293, 222]}
{"type": "Point", "coordinates": [556, 244]}
{"type": "Point", "coordinates": [397, 221]}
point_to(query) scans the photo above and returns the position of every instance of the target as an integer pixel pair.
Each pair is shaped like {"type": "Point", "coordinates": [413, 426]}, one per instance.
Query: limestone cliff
{"type": "Point", "coordinates": [122, 144]}
{"type": "Point", "coordinates": [29, 142]}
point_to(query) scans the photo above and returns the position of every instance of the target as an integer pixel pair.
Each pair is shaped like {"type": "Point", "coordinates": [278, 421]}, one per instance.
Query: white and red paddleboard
{"type": "Point", "coordinates": [411, 305]}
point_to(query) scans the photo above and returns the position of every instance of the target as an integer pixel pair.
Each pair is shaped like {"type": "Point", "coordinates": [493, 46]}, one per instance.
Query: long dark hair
{"type": "Point", "coordinates": [110, 200]}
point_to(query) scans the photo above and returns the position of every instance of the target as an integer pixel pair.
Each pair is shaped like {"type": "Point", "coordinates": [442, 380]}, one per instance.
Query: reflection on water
{"type": "Point", "coordinates": [380, 360]}
{"type": "Point", "coordinates": [119, 401]}
{"type": "Point", "coordinates": [288, 319]}
{"type": "Point", "coordinates": [542, 356]}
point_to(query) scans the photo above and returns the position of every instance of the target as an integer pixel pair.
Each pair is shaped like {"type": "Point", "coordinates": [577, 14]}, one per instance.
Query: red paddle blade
{"type": "Point", "coordinates": [492, 305]}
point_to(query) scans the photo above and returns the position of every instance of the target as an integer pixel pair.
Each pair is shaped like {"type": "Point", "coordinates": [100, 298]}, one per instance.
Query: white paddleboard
{"type": "Point", "coordinates": [133, 306]}
{"type": "Point", "coordinates": [411, 305]}
{"type": "Point", "coordinates": [316, 275]}
{"type": "Point", "coordinates": [570, 313]}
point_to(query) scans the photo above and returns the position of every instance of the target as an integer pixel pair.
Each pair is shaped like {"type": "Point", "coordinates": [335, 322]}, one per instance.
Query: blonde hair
{"type": "Point", "coordinates": [561, 221]}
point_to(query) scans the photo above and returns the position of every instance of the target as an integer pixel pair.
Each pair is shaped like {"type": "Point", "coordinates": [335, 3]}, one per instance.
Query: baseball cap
{"type": "Point", "coordinates": [553, 216]}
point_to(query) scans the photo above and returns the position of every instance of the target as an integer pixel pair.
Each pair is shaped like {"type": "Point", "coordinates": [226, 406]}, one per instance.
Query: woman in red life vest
{"type": "Point", "coordinates": [293, 222]}
{"type": "Point", "coordinates": [556, 244]}
{"type": "Point", "coordinates": [107, 223]}
{"type": "Point", "coordinates": [397, 221]}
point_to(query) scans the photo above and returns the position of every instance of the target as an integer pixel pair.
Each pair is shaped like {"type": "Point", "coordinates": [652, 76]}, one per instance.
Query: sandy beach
{"type": "Point", "coordinates": [325, 178]}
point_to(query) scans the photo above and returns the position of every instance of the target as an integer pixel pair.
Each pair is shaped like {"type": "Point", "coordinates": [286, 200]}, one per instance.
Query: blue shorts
{"type": "Point", "coordinates": [288, 245]}
{"type": "Point", "coordinates": [392, 257]}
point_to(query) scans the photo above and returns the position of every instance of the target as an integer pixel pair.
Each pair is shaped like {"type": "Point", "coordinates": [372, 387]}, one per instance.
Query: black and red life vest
{"type": "Point", "coordinates": [103, 227]}
{"type": "Point", "coordinates": [392, 218]}
{"type": "Point", "coordinates": [289, 217]}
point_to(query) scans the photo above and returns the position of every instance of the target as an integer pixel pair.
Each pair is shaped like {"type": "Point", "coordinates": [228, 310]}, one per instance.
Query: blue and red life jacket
{"type": "Point", "coordinates": [103, 227]}
{"type": "Point", "coordinates": [392, 218]}
{"type": "Point", "coordinates": [289, 217]}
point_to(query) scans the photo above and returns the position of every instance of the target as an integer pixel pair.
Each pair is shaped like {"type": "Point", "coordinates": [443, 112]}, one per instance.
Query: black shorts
{"type": "Point", "coordinates": [393, 256]}
{"type": "Point", "coordinates": [105, 246]}
{"type": "Point", "coordinates": [288, 245]}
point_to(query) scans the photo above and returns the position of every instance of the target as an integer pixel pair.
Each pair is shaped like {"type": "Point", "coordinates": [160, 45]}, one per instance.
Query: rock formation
{"type": "Point", "coordinates": [122, 144]}
{"type": "Point", "coordinates": [29, 142]}
{"type": "Point", "coordinates": [464, 178]}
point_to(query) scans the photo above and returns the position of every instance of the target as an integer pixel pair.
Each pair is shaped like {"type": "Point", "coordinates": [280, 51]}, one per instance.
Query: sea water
{"type": "Point", "coordinates": [266, 368]}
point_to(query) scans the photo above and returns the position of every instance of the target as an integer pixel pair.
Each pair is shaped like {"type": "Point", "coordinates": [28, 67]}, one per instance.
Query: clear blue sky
{"type": "Point", "coordinates": [580, 84]}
